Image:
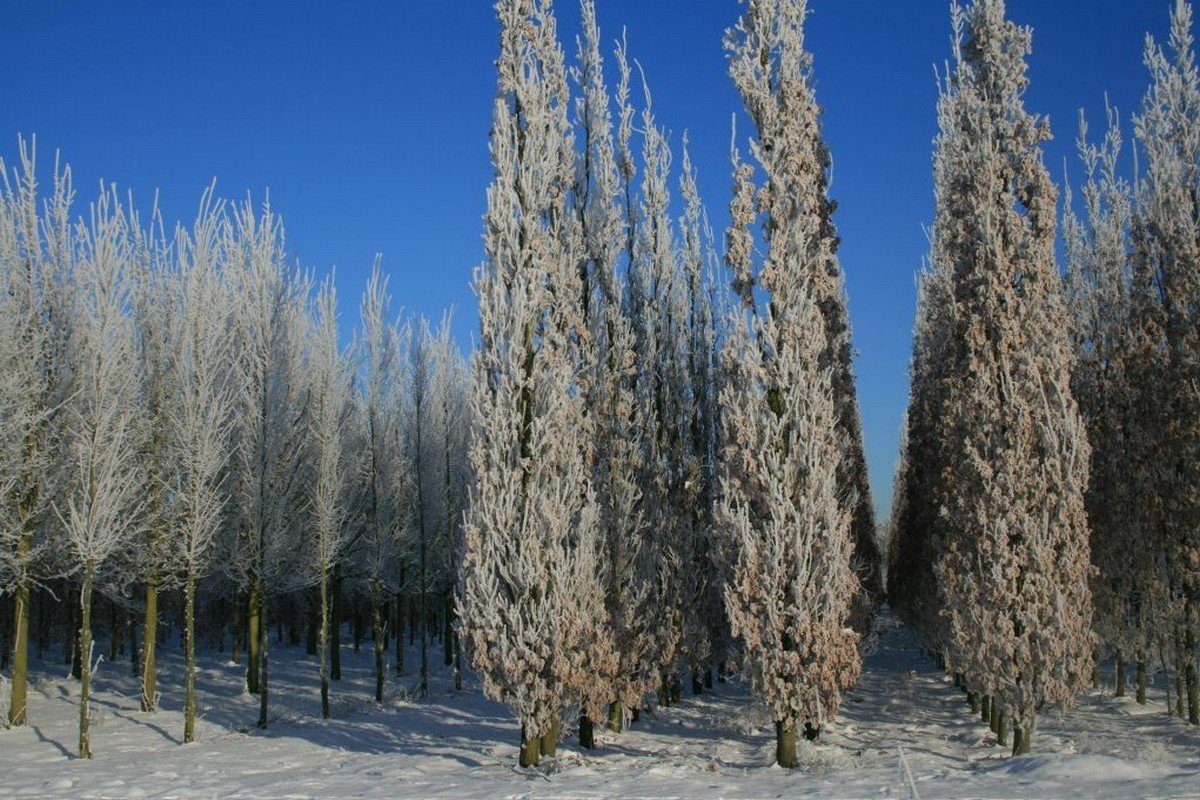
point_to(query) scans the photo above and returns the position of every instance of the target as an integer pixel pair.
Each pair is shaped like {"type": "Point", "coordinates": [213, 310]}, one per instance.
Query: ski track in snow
{"type": "Point", "coordinates": [716, 745]}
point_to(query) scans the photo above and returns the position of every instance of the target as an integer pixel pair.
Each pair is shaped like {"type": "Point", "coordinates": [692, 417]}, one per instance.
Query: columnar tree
{"type": "Point", "coordinates": [1167, 249]}
{"type": "Point", "coordinates": [101, 511]}
{"type": "Point", "coordinates": [790, 589]}
{"type": "Point", "coordinates": [1016, 565]}
{"type": "Point", "coordinates": [1098, 282]}
{"type": "Point", "coordinates": [327, 430]}
{"type": "Point", "coordinates": [659, 315]}
{"type": "Point", "coordinates": [153, 310]}
{"type": "Point", "coordinates": [612, 376]}
{"type": "Point", "coordinates": [198, 417]}
{"type": "Point", "coordinates": [532, 509]}
{"type": "Point", "coordinates": [385, 472]}
{"type": "Point", "coordinates": [268, 312]}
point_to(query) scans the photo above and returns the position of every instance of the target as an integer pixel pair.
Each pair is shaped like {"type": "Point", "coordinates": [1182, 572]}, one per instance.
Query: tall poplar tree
{"type": "Point", "coordinates": [532, 521]}
{"type": "Point", "coordinates": [790, 589]}
{"type": "Point", "coordinates": [1016, 566]}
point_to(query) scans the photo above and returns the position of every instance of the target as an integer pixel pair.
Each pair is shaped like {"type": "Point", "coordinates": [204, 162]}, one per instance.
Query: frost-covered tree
{"type": "Point", "coordinates": [532, 521]}
{"type": "Point", "coordinates": [612, 375]}
{"type": "Point", "coordinates": [36, 255]}
{"type": "Point", "coordinates": [659, 315]}
{"type": "Point", "coordinates": [703, 612]}
{"type": "Point", "coordinates": [1016, 566]}
{"type": "Point", "coordinates": [327, 422]}
{"type": "Point", "coordinates": [197, 419]}
{"type": "Point", "coordinates": [916, 538]}
{"type": "Point", "coordinates": [1167, 250]}
{"type": "Point", "coordinates": [101, 510]}
{"type": "Point", "coordinates": [790, 589]}
{"type": "Point", "coordinates": [269, 317]}
{"type": "Point", "coordinates": [153, 310]}
{"type": "Point", "coordinates": [450, 427]}
{"type": "Point", "coordinates": [1098, 244]}
{"type": "Point", "coordinates": [384, 471]}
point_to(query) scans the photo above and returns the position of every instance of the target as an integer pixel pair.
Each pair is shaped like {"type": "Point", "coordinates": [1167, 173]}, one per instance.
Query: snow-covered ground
{"type": "Point", "coordinates": [904, 732]}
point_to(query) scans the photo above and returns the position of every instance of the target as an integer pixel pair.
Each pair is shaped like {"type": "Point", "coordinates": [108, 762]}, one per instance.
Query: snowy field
{"type": "Point", "coordinates": [904, 732]}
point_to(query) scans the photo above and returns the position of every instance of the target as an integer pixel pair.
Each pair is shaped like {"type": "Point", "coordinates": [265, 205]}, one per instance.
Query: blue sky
{"type": "Point", "coordinates": [368, 122]}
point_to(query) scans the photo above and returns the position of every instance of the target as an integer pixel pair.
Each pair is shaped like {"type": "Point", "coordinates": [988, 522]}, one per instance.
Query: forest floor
{"type": "Point", "coordinates": [904, 732]}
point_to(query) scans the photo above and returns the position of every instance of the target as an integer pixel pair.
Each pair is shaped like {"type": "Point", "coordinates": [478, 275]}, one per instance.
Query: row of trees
{"type": "Point", "coordinates": [667, 479]}
{"type": "Point", "coordinates": [1045, 508]}
{"type": "Point", "coordinates": [178, 412]}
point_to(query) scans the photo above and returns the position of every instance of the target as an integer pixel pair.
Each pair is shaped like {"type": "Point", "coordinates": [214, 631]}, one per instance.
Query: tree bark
{"type": "Point", "coordinates": [323, 639]}
{"type": "Point", "coordinates": [85, 648]}
{"type": "Point", "coordinates": [189, 659]}
{"type": "Point", "coordinates": [18, 713]}
{"type": "Point", "coordinates": [531, 749]}
{"type": "Point", "coordinates": [1120, 690]}
{"type": "Point", "coordinates": [1193, 685]}
{"type": "Point", "coordinates": [550, 740]}
{"type": "Point", "coordinates": [587, 732]}
{"type": "Point", "coordinates": [448, 630]}
{"type": "Point", "coordinates": [399, 632]}
{"type": "Point", "coordinates": [1022, 739]}
{"type": "Point", "coordinates": [616, 717]}
{"type": "Point", "coordinates": [1141, 680]}
{"type": "Point", "coordinates": [785, 745]}
{"type": "Point", "coordinates": [263, 658]}
{"type": "Point", "coordinates": [150, 646]}
{"type": "Point", "coordinates": [255, 634]}
{"type": "Point", "coordinates": [377, 631]}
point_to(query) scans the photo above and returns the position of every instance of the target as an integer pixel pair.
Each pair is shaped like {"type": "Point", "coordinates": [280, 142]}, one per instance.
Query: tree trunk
{"type": "Point", "coordinates": [1193, 684]}
{"type": "Point", "coordinates": [550, 739]}
{"type": "Point", "coordinates": [531, 749]}
{"type": "Point", "coordinates": [1120, 690]}
{"type": "Point", "coordinates": [150, 646]}
{"type": "Point", "coordinates": [85, 672]}
{"type": "Point", "coordinates": [664, 691]}
{"type": "Point", "coordinates": [17, 706]}
{"type": "Point", "coordinates": [1141, 679]}
{"type": "Point", "coordinates": [785, 745]}
{"type": "Point", "coordinates": [973, 702]}
{"type": "Point", "coordinates": [236, 628]}
{"type": "Point", "coordinates": [399, 633]}
{"type": "Point", "coordinates": [985, 708]}
{"type": "Point", "coordinates": [313, 623]}
{"type": "Point", "coordinates": [377, 631]}
{"type": "Point", "coordinates": [676, 689]}
{"type": "Point", "coordinates": [616, 717]}
{"type": "Point", "coordinates": [322, 607]}
{"type": "Point", "coordinates": [1022, 739]}
{"type": "Point", "coordinates": [994, 717]}
{"type": "Point", "coordinates": [587, 732]}
{"type": "Point", "coordinates": [448, 630]}
{"type": "Point", "coordinates": [189, 658]}
{"type": "Point", "coordinates": [457, 663]}
{"type": "Point", "coordinates": [264, 640]}
{"type": "Point", "coordinates": [708, 678]}
{"type": "Point", "coordinates": [255, 634]}
{"type": "Point", "coordinates": [1001, 728]}
{"type": "Point", "coordinates": [697, 684]}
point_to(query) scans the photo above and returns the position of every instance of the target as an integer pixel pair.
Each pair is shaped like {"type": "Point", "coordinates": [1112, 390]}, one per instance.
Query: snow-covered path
{"type": "Point", "coordinates": [462, 746]}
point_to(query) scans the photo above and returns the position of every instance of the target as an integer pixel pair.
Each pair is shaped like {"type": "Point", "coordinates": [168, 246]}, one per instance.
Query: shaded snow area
{"type": "Point", "coordinates": [904, 732]}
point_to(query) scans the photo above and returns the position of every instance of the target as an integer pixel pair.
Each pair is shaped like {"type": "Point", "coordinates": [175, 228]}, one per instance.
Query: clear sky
{"type": "Point", "coordinates": [368, 122]}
